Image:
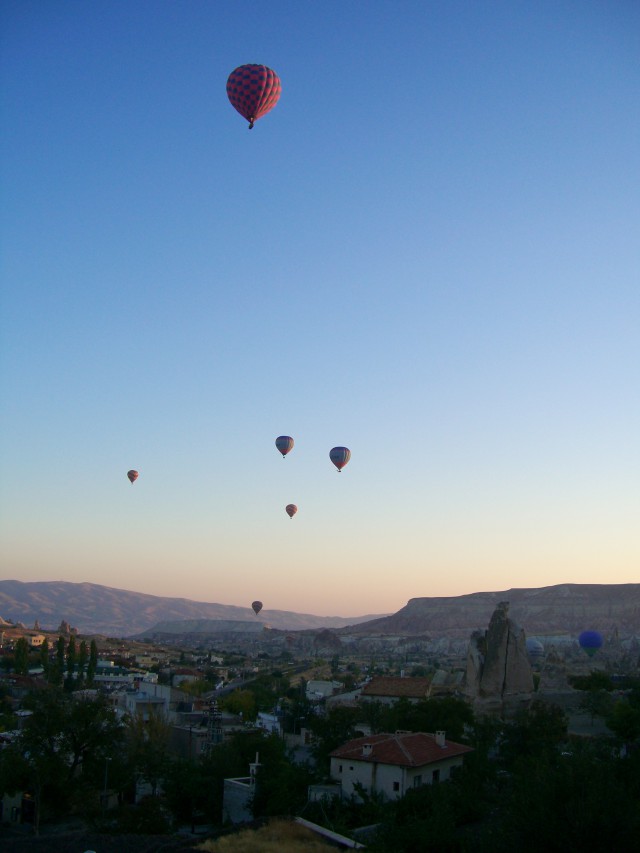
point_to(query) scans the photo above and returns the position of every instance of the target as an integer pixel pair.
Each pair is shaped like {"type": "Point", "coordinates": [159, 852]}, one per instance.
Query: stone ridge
{"type": "Point", "coordinates": [560, 609]}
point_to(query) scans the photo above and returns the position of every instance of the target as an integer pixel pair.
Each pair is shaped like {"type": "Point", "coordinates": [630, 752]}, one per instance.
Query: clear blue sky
{"type": "Point", "coordinates": [428, 251]}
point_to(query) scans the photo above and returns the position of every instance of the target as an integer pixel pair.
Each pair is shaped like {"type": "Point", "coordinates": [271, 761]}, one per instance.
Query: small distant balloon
{"type": "Point", "coordinates": [590, 642]}
{"type": "Point", "coordinates": [284, 443]}
{"type": "Point", "coordinates": [535, 649]}
{"type": "Point", "coordinates": [257, 606]}
{"type": "Point", "coordinates": [339, 456]}
{"type": "Point", "coordinates": [132, 475]}
{"type": "Point", "coordinates": [291, 510]}
{"type": "Point", "coordinates": [253, 90]}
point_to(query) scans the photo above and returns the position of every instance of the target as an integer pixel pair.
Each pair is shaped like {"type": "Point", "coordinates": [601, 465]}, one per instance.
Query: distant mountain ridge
{"type": "Point", "coordinates": [96, 609]}
{"type": "Point", "coordinates": [563, 608]}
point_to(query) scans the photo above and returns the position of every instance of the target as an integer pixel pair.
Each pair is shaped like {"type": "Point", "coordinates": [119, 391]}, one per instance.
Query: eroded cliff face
{"type": "Point", "coordinates": [498, 667]}
{"type": "Point", "coordinates": [559, 609]}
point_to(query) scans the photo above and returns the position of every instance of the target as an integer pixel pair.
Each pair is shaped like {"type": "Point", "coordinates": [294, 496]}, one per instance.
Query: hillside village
{"type": "Point", "coordinates": [300, 725]}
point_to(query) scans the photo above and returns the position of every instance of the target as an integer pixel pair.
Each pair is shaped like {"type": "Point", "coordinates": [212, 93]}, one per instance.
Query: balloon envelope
{"type": "Point", "coordinates": [284, 443]}
{"type": "Point", "coordinates": [257, 606]}
{"type": "Point", "coordinates": [132, 475]}
{"type": "Point", "coordinates": [291, 510]}
{"type": "Point", "coordinates": [590, 641]}
{"type": "Point", "coordinates": [339, 456]}
{"type": "Point", "coordinates": [253, 90]}
{"type": "Point", "coordinates": [535, 649]}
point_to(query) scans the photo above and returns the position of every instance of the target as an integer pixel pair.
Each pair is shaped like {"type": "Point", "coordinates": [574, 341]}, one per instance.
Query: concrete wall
{"type": "Point", "coordinates": [237, 797]}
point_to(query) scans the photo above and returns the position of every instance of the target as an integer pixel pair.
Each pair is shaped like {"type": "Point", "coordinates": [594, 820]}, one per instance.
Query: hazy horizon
{"type": "Point", "coordinates": [427, 252]}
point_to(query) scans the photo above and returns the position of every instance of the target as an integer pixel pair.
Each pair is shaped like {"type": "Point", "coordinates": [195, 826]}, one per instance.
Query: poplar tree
{"type": "Point", "coordinates": [93, 662]}
{"type": "Point", "coordinates": [83, 657]}
{"type": "Point", "coordinates": [44, 656]}
{"type": "Point", "coordinates": [58, 671]}
{"type": "Point", "coordinates": [21, 656]}
{"type": "Point", "coordinates": [71, 656]}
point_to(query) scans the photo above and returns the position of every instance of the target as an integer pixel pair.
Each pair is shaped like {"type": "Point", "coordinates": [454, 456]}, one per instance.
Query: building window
{"type": "Point", "coordinates": [417, 781]}
{"type": "Point", "coordinates": [436, 776]}
{"type": "Point", "coordinates": [351, 768]}
{"type": "Point", "coordinates": [340, 768]}
{"type": "Point", "coordinates": [396, 786]}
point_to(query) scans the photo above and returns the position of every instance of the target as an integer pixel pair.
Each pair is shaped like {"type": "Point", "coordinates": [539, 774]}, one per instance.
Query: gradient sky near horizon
{"type": "Point", "coordinates": [429, 252]}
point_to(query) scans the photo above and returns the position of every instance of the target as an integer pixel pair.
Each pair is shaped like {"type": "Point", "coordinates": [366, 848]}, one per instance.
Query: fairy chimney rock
{"type": "Point", "coordinates": [497, 663]}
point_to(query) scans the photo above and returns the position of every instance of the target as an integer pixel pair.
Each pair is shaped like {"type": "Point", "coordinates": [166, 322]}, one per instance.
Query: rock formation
{"type": "Point", "coordinates": [498, 667]}
{"type": "Point", "coordinates": [327, 641]}
{"type": "Point", "coordinates": [559, 609]}
{"type": "Point", "coordinates": [554, 677]}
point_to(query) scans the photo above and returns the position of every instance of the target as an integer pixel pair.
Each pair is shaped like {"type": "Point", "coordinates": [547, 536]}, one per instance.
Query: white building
{"type": "Point", "coordinates": [393, 763]}
{"type": "Point", "coordinates": [269, 723]}
{"type": "Point", "coordinates": [317, 690]}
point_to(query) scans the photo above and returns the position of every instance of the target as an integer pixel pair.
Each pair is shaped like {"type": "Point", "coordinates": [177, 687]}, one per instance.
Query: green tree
{"type": "Point", "coordinates": [60, 736]}
{"type": "Point", "coordinates": [8, 720]}
{"type": "Point", "coordinates": [331, 730]}
{"type": "Point", "coordinates": [196, 688]}
{"type": "Point", "coordinates": [71, 656]}
{"type": "Point", "coordinates": [21, 656]}
{"type": "Point", "coordinates": [595, 681]}
{"type": "Point", "coordinates": [598, 703]}
{"type": "Point", "coordinates": [93, 662]}
{"type": "Point", "coordinates": [535, 732]}
{"type": "Point", "coordinates": [83, 657]}
{"type": "Point", "coordinates": [585, 801]}
{"type": "Point", "coordinates": [147, 741]}
{"type": "Point", "coordinates": [445, 713]}
{"type": "Point", "coordinates": [624, 721]}
{"type": "Point", "coordinates": [44, 657]}
{"type": "Point", "coordinates": [186, 789]}
{"type": "Point", "coordinates": [57, 673]}
{"type": "Point", "coordinates": [240, 702]}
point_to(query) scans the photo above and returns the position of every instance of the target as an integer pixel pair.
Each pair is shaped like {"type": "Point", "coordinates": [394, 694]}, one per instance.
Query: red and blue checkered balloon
{"type": "Point", "coordinates": [253, 90]}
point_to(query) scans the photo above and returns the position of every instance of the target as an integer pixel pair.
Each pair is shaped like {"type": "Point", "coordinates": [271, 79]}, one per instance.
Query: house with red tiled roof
{"type": "Point", "coordinates": [392, 764]}
{"type": "Point", "coordinates": [388, 689]}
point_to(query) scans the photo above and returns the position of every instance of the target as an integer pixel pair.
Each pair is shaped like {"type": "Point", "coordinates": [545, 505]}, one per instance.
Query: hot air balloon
{"type": "Point", "coordinates": [257, 606]}
{"type": "Point", "coordinates": [284, 443]}
{"type": "Point", "coordinates": [253, 90]}
{"type": "Point", "coordinates": [291, 510]}
{"type": "Point", "coordinates": [590, 642]}
{"type": "Point", "coordinates": [339, 456]}
{"type": "Point", "coordinates": [132, 475]}
{"type": "Point", "coordinates": [534, 647]}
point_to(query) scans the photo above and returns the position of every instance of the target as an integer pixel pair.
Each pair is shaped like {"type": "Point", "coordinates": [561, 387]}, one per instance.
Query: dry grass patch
{"type": "Point", "coordinates": [279, 836]}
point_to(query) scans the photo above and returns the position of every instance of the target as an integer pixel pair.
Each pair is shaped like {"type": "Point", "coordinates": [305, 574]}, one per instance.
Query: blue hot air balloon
{"type": "Point", "coordinates": [590, 641]}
